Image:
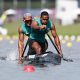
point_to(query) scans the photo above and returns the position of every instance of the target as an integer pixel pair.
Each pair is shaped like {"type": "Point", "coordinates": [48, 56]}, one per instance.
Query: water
{"type": "Point", "coordinates": [10, 70]}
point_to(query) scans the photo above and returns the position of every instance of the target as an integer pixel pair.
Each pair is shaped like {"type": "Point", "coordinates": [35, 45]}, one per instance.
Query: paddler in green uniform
{"type": "Point", "coordinates": [25, 28]}
{"type": "Point", "coordinates": [41, 26]}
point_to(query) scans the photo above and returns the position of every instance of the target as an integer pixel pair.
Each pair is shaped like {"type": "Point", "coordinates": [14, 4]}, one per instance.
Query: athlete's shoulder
{"type": "Point", "coordinates": [37, 18]}
{"type": "Point", "coordinates": [50, 20]}
{"type": "Point", "coordinates": [23, 24]}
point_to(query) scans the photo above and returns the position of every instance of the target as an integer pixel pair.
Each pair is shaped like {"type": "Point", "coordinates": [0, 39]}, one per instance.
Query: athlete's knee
{"type": "Point", "coordinates": [36, 47]}
{"type": "Point", "coordinates": [38, 50]}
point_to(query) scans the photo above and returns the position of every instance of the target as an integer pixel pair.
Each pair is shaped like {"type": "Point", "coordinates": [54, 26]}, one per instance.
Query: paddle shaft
{"type": "Point", "coordinates": [65, 59]}
{"type": "Point", "coordinates": [25, 47]}
{"type": "Point", "coordinates": [53, 44]}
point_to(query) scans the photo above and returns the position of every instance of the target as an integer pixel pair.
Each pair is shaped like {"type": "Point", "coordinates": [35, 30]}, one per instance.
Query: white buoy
{"type": "Point", "coordinates": [3, 31]}
{"type": "Point", "coordinates": [63, 41]}
{"type": "Point", "coordinates": [66, 37]}
{"type": "Point", "coordinates": [72, 38]}
{"type": "Point", "coordinates": [11, 42]}
{"type": "Point", "coordinates": [60, 37]}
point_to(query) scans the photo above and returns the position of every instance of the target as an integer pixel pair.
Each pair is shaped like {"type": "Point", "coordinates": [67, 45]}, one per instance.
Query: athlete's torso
{"type": "Point", "coordinates": [40, 34]}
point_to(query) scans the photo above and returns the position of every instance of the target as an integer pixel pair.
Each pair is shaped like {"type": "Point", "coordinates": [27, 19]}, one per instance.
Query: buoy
{"type": "Point", "coordinates": [11, 42]}
{"type": "Point", "coordinates": [78, 39]}
{"type": "Point", "coordinates": [29, 68]}
{"type": "Point", "coordinates": [63, 41]}
{"type": "Point", "coordinates": [1, 38]}
{"type": "Point", "coordinates": [60, 37]}
{"type": "Point", "coordinates": [66, 37]}
{"type": "Point", "coordinates": [72, 38]}
{"type": "Point", "coordinates": [8, 37]}
{"type": "Point", "coordinates": [69, 44]}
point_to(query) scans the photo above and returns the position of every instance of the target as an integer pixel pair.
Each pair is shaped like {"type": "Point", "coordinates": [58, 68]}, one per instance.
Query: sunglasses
{"type": "Point", "coordinates": [27, 21]}
{"type": "Point", "coordinates": [46, 19]}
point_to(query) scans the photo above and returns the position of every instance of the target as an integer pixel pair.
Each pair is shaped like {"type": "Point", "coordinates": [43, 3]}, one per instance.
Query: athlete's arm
{"type": "Point", "coordinates": [35, 25]}
{"type": "Point", "coordinates": [20, 44]}
{"type": "Point", "coordinates": [56, 39]}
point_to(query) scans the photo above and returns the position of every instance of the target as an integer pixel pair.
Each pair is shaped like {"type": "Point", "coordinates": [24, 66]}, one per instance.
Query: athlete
{"type": "Point", "coordinates": [41, 26]}
{"type": "Point", "coordinates": [25, 28]}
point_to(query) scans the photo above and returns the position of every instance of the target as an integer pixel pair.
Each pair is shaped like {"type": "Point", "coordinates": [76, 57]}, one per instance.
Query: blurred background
{"type": "Point", "coordinates": [66, 17]}
{"type": "Point", "coordinates": [64, 13]}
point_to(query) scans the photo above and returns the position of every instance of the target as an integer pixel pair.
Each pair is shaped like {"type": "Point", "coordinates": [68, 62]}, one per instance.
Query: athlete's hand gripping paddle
{"type": "Point", "coordinates": [65, 59]}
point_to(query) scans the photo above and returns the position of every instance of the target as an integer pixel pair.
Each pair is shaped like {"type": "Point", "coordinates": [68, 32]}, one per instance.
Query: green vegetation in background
{"type": "Point", "coordinates": [13, 27]}
{"type": "Point", "coordinates": [73, 29]}
{"type": "Point", "coordinates": [8, 5]}
{"type": "Point", "coordinates": [22, 4]}
{"type": "Point", "coordinates": [37, 4]}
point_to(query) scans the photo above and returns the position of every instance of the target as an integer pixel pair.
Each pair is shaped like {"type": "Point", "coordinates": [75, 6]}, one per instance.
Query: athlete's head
{"type": "Point", "coordinates": [44, 17]}
{"type": "Point", "coordinates": [27, 18]}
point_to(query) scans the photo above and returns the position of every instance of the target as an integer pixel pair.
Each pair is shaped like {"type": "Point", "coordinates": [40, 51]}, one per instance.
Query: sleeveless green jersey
{"type": "Point", "coordinates": [38, 34]}
{"type": "Point", "coordinates": [26, 29]}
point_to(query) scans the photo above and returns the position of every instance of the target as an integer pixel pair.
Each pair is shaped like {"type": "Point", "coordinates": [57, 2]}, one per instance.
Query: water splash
{"type": "Point", "coordinates": [12, 56]}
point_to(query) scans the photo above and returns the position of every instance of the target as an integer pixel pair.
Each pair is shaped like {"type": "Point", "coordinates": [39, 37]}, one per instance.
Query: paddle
{"type": "Point", "coordinates": [25, 47]}
{"type": "Point", "coordinates": [65, 59]}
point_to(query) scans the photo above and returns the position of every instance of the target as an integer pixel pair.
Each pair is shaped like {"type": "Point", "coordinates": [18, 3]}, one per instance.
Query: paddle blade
{"type": "Point", "coordinates": [68, 60]}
